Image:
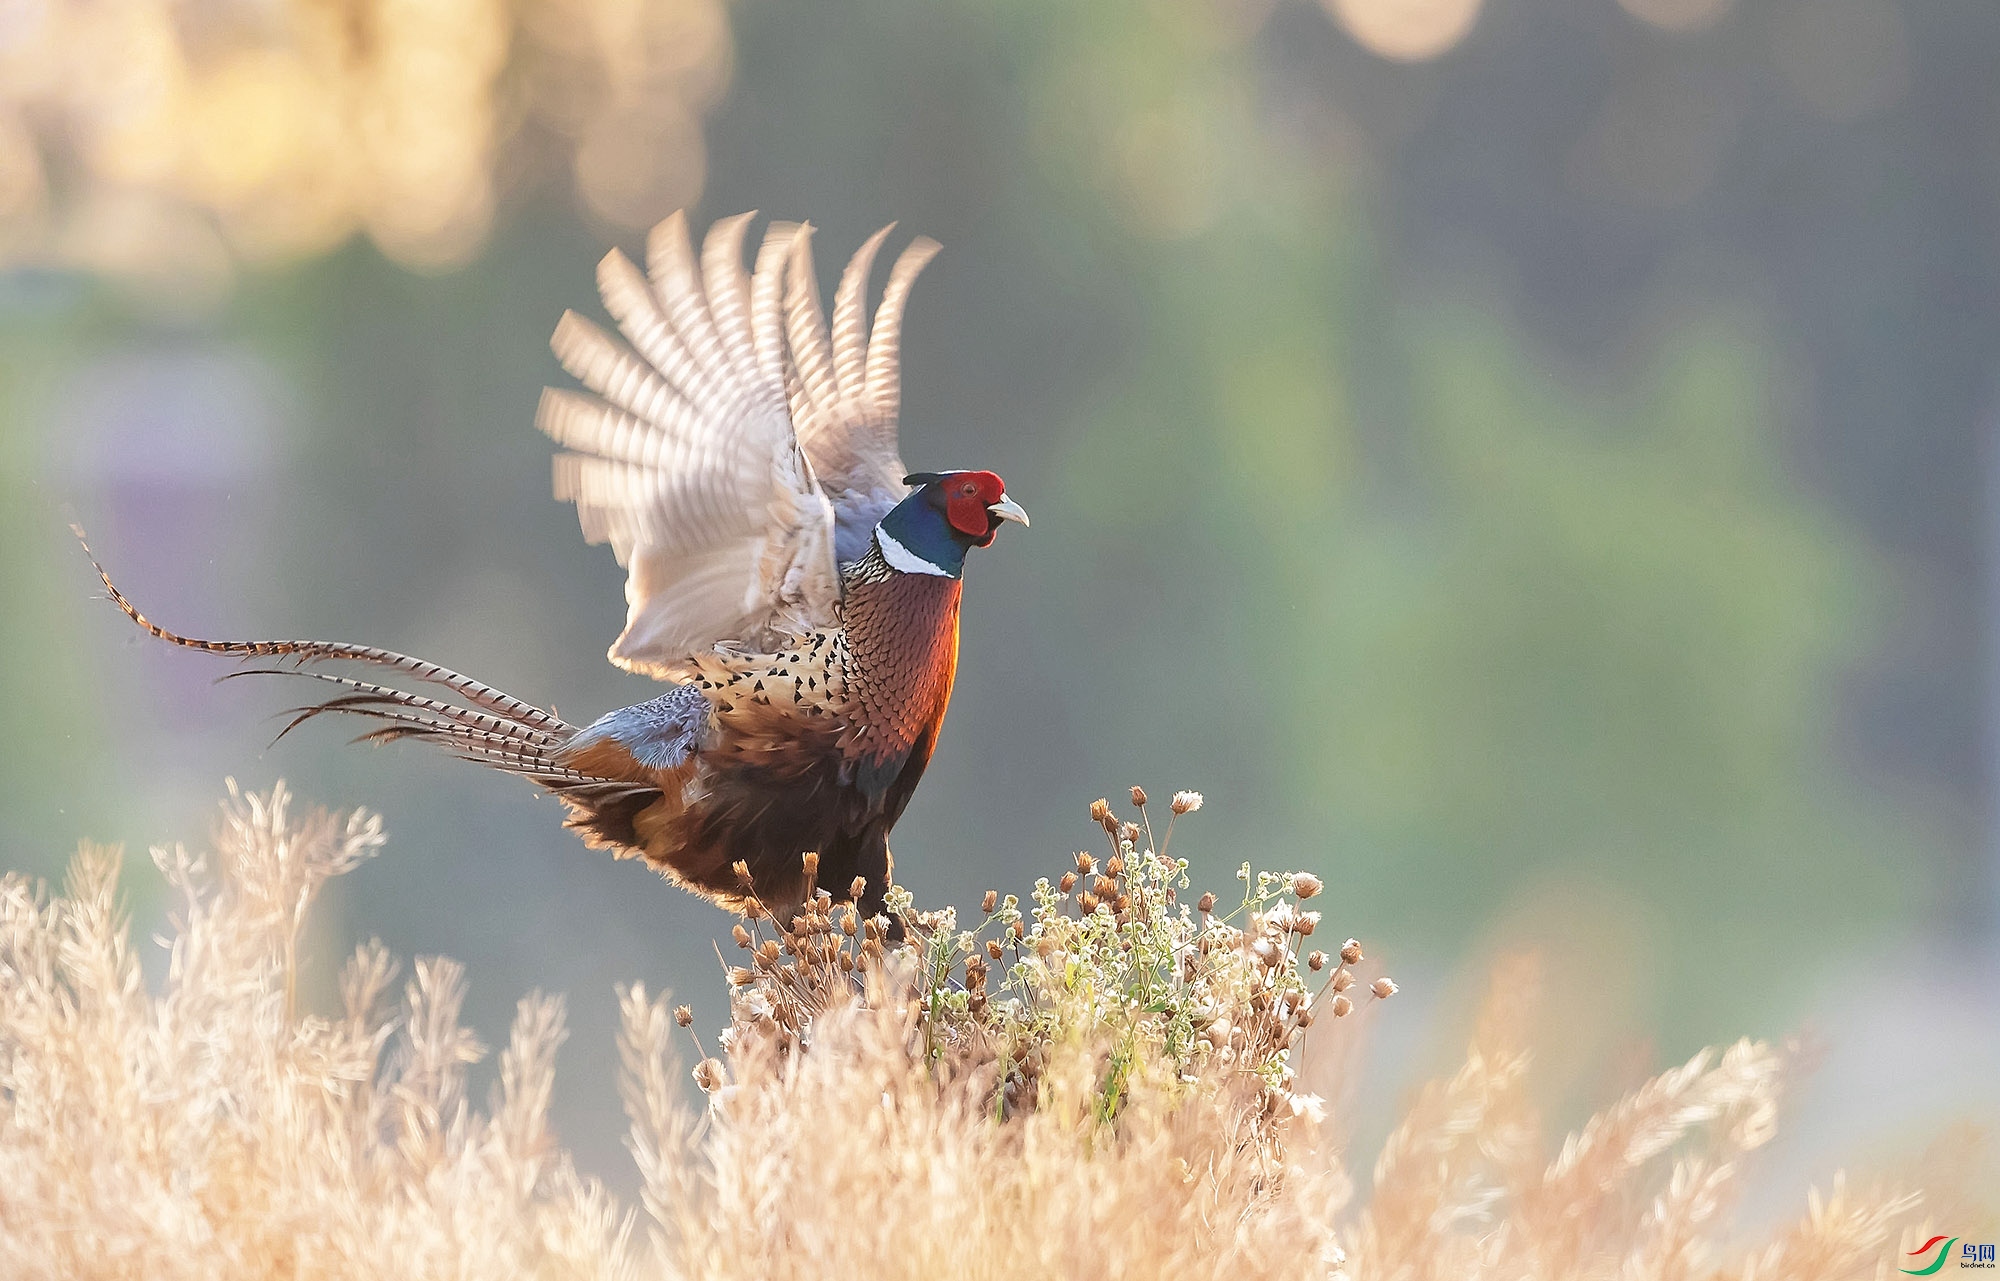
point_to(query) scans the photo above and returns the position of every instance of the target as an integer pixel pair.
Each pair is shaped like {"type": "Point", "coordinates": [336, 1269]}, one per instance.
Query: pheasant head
{"type": "Point", "coordinates": [945, 515]}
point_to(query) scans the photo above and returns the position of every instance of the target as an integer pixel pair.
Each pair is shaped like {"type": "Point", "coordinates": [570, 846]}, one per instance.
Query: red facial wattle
{"type": "Point", "coordinates": [967, 496]}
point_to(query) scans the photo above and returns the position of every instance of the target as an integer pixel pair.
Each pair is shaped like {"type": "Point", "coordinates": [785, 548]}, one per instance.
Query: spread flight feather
{"type": "Point", "coordinates": [730, 446]}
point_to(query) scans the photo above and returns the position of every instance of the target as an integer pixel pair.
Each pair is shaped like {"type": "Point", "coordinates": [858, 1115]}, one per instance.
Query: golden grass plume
{"type": "Point", "coordinates": [1121, 1104]}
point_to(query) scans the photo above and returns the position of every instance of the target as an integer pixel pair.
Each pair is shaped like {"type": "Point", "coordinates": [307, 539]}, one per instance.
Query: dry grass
{"type": "Point", "coordinates": [1119, 1103]}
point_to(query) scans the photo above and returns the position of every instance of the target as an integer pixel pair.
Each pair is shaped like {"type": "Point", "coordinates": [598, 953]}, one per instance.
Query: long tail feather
{"type": "Point", "coordinates": [369, 694]}
{"type": "Point", "coordinates": [498, 731]}
{"type": "Point", "coordinates": [303, 652]}
{"type": "Point", "coordinates": [412, 725]}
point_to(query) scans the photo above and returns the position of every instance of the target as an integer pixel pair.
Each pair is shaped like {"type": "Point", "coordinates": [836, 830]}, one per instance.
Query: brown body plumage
{"type": "Point", "coordinates": [817, 747]}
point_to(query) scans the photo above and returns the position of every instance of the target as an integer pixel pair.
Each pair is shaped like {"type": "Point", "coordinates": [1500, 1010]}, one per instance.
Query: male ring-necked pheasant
{"type": "Point", "coordinates": [797, 591]}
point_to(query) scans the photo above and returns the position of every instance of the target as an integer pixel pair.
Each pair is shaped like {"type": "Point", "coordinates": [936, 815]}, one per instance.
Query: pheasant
{"type": "Point", "coordinates": [795, 589]}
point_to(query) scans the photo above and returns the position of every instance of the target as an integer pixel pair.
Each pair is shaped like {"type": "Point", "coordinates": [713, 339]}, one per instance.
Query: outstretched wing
{"type": "Point", "coordinates": [846, 386]}
{"type": "Point", "coordinates": [685, 459]}
{"type": "Point", "coordinates": [736, 453]}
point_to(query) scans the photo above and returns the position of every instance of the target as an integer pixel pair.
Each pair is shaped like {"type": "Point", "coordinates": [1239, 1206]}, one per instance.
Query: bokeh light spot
{"type": "Point", "coordinates": [640, 164]}
{"type": "Point", "coordinates": [1678, 15]}
{"type": "Point", "coordinates": [164, 145]}
{"type": "Point", "coordinates": [1405, 30]}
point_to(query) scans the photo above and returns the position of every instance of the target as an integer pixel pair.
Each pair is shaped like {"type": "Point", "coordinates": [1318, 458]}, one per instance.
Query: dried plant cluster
{"type": "Point", "coordinates": [1111, 1095]}
{"type": "Point", "coordinates": [1109, 966]}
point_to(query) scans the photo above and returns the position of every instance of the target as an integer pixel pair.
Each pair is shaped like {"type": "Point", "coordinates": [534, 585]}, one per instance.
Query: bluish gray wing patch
{"type": "Point", "coordinates": [855, 516]}
{"type": "Point", "coordinates": [661, 733]}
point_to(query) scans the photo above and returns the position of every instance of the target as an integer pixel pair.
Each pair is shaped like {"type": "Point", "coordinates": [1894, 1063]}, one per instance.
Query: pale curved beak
{"type": "Point", "coordinates": [1008, 509]}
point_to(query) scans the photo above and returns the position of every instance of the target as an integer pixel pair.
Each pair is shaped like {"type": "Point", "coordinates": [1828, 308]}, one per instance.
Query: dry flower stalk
{"type": "Point", "coordinates": [1109, 963]}
{"type": "Point", "coordinates": [877, 1111]}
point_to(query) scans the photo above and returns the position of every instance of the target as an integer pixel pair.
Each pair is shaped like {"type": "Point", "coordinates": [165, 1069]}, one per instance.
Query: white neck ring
{"type": "Point", "coordinates": [901, 557]}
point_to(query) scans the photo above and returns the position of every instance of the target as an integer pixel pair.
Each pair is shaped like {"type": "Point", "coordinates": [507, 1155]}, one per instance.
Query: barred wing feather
{"type": "Point", "coordinates": [733, 451]}
{"type": "Point", "coordinates": [682, 455]}
{"type": "Point", "coordinates": [846, 386]}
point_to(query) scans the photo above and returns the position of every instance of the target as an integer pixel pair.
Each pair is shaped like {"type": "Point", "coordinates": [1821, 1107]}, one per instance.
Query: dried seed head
{"type": "Point", "coordinates": [810, 861]}
{"type": "Point", "coordinates": [683, 1016]}
{"type": "Point", "coordinates": [858, 889]}
{"type": "Point", "coordinates": [1316, 961]}
{"type": "Point", "coordinates": [741, 935]}
{"type": "Point", "coordinates": [1383, 989]}
{"type": "Point", "coordinates": [1114, 866]}
{"type": "Point", "coordinates": [740, 976]}
{"type": "Point", "coordinates": [1341, 1007]}
{"type": "Point", "coordinates": [742, 870]}
{"type": "Point", "coordinates": [989, 902]}
{"type": "Point", "coordinates": [1186, 802]}
{"type": "Point", "coordinates": [1085, 864]}
{"type": "Point", "coordinates": [1100, 810]}
{"type": "Point", "coordinates": [1206, 903]}
{"type": "Point", "coordinates": [1087, 901]}
{"type": "Point", "coordinates": [1305, 923]}
{"type": "Point", "coordinates": [708, 1075]}
{"type": "Point", "coordinates": [1305, 885]}
{"type": "Point", "coordinates": [769, 951]}
{"type": "Point", "coordinates": [1104, 887]}
{"type": "Point", "coordinates": [1018, 930]}
{"type": "Point", "coordinates": [1068, 882]}
{"type": "Point", "coordinates": [1350, 952]}
{"type": "Point", "coordinates": [849, 924]}
{"type": "Point", "coordinates": [993, 948]}
{"type": "Point", "coordinates": [1139, 796]}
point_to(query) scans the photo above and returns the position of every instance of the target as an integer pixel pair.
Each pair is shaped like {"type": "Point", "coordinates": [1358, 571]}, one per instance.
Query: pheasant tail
{"type": "Point", "coordinates": [486, 726]}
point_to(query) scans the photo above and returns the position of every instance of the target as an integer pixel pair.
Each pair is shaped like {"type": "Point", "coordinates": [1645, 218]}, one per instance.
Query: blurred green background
{"type": "Point", "coordinates": [1526, 462]}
